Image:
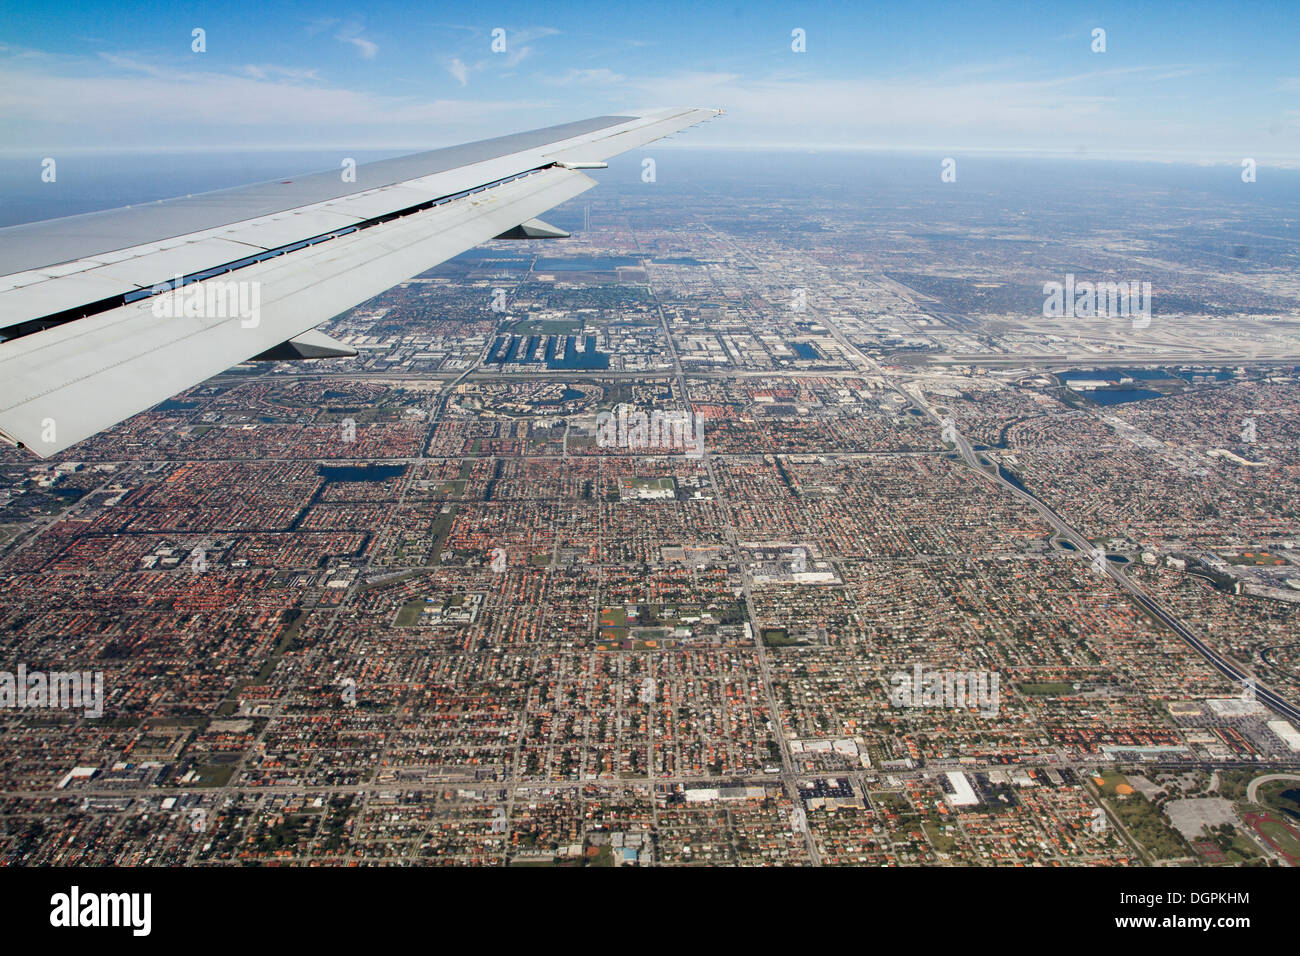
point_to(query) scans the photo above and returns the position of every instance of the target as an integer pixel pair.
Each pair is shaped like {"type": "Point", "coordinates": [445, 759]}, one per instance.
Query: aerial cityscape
{"type": "Point", "coordinates": [725, 531]}
{"type": "Point", "coordinates": [853, 445]}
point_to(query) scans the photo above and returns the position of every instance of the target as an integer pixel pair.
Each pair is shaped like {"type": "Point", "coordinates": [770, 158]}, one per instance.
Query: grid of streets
{"type": "Point", "coordinates": [409, 608]}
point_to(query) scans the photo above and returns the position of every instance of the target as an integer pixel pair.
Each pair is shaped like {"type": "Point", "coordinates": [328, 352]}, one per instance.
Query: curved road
{"type": "Point", "coordinates": [1253, 787]}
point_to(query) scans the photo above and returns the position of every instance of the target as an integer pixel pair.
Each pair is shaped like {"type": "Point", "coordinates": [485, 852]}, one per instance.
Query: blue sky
{"type": "Point", "coordinates": [1194, 82]}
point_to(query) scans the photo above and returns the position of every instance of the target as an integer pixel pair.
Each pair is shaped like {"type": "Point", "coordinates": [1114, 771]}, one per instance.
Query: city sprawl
{"type": "Point", "coordinates": [772, 518]}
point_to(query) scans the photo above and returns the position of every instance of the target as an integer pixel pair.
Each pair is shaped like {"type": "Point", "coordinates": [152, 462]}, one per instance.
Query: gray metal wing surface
{"type": "Point", "coordinates": [107, 314]}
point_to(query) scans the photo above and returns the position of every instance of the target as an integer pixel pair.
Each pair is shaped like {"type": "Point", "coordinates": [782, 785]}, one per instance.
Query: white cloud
{"type": "Point", "coordinates": [574, 77]}
{"type": "Point", "coordinates": [351, 33]}
{"type": "Point", "coordinates": [516, 55]}
{"type": "Point", "coordinates": [58, 101]}
{"type": "Point", "coordinates": [529, 34]}
{"type": "Point", "coordinates": [124, 102]}
{"type": "Point", "coordinates": [969, 110]}
{"type": "Point", "coordinates": [265, 71]}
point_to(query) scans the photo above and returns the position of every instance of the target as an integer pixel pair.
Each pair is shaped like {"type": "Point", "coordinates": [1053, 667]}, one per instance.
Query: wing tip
{"type": "Point", "coordinates": [666, 112]}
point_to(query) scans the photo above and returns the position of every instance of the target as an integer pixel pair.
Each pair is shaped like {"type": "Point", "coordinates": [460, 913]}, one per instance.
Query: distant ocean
{"type": "Point", "coordinates": [86, 182]}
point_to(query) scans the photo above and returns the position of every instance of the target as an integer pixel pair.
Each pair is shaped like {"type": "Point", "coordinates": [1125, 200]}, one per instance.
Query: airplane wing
{"type": "Point", "coordinates": [107, 314]}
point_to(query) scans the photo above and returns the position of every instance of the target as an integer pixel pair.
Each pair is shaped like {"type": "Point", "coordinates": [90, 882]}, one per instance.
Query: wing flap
{"type": "Point", "coordinates": [306, 345]}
